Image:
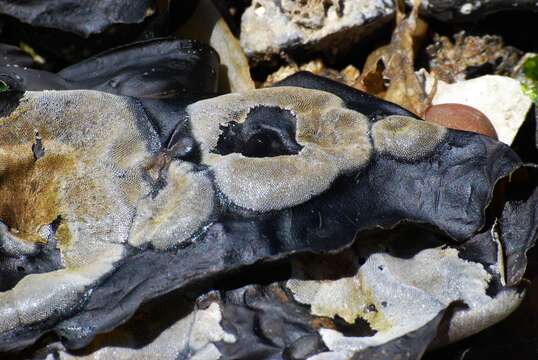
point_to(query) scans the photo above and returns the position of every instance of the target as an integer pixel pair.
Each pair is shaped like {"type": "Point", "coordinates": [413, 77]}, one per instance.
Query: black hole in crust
{"type": "Point", "coordinates": [359, 328]}
{"type": "Point", "coordinates": [267, 131]}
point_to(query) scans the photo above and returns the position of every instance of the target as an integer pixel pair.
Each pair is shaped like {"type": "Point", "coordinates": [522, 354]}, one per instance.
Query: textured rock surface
{"type": "Point", "coordinates": [270, 26]}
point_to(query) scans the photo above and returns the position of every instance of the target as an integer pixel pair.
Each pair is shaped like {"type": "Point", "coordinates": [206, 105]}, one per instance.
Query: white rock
{"type": "Point", "coordinates": [270, 26]}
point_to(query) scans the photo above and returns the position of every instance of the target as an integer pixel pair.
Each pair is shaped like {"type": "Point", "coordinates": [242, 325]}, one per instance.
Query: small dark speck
{"type": "Point", "coordinates": [380, 267]}
{"type": "Point", "coordinates": [37, 147]}
{"type": "Point", "coordinates": [185, 244]}
{"type": "Point", "coordinates": [383, 303]}
{"type": "Point", "coordinates": [372, 307]}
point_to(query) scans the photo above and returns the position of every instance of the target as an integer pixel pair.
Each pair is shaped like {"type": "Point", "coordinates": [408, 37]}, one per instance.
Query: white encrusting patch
{"type": "Point", "coordinates": [334, 141]}
{"type": "Point", "coordinates": [397, 296]}
{"type": "Point", "coordinates": [191, 337]}
{"type": "Point", "coordinates": [482, 315]}
{"type": "Point", "coordinates": [38, 297]}
{"type": "Point", "coordinates": [406, 138]}
{"type": "Point", "coordinates": [344, 297]}
{"type": "Point", "coordinates": [177, 211]}
{"type": "Point", "coordinates": [13, 246]}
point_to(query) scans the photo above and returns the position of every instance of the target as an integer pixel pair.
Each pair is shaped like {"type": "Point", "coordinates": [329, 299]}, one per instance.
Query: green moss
{"type": "Point", "coordinates": [531, 90]}
{"type": "Point", "coordinates": [529, 84]}
{"type": "Point", "coordinates": [530, 68]}
{"type": "Point", "coordinates": [3, 86]}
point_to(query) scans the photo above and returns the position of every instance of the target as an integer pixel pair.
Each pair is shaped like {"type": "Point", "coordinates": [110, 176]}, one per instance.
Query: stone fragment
{"type": "Point", "coordinates": [269, 27]}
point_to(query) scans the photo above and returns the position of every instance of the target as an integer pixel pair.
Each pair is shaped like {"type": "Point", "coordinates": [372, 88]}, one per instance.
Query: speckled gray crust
{"type": "Point", "coordinates": [165, 215]}
{"type": "Point", "coordinates": [362, 329]}
{"type": "Point", "coordinates": [398, 296]}
{"type": "Point", "coordinates": [179, 209]}
{"type": "Point", "coordinates": [408, 347]}
{"type": "Point", "coordinates": [406, 138]}
{"type": "Point", "coordinates": [164, 74]}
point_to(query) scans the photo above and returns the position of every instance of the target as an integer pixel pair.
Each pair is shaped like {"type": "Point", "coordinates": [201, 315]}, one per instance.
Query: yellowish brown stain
{"type": "Point", "coordinates": [156, 164]}
{"type": "Point", "coordinates": [322, 322]}
{"type": "Point", "coordinates": [396, 127]}
{"type": "Point", "coordinates": [357, 306]}
{"type": "Point", "coordinates": [29, 190]}
{"type": "Point", "coordinates": [63, 235]}
{"type": "Point", "coordinates": [375, 319]}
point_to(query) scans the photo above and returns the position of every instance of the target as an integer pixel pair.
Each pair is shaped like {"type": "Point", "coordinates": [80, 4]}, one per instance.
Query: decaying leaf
{"type": "Point", "coordinates": [207, 25]}
{"type": "Point", "coordinates": [73, 16]}
{"type": "Point", "coordinates": [389, 70]}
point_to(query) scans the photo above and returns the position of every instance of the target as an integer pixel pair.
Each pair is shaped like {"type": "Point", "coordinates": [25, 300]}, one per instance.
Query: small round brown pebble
{"type": "Point", "coordinates": [460, 117]}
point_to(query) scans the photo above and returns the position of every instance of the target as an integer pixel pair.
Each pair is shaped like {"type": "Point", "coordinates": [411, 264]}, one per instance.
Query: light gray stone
{"type": "Point", "coordinates": [269, 27]}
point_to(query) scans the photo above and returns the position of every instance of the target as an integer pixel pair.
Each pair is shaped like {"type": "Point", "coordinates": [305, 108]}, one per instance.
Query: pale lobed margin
{"type": "Point", "coordinates": [178, 210]}
{"type": "Point", "coordinates": [192, 336]}
{"type": "Point", "coordinates": [406, 138]}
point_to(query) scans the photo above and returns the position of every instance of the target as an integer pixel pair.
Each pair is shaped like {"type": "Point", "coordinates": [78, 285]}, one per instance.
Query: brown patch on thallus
{"type": "Point", "coordinates": [29, 190]}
